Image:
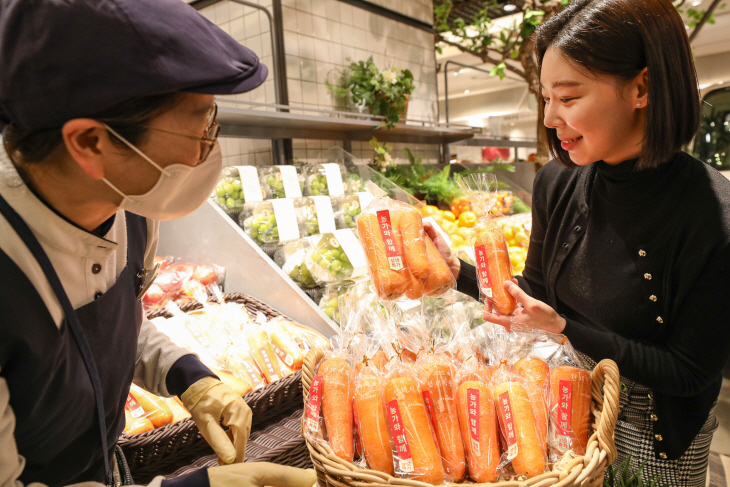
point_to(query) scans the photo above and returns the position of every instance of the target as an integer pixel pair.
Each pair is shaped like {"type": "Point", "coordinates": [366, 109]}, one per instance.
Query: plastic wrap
{"type": "Point", "coordinates": [236, 186]}
{"type": "Point", "coordinates": [402, 260]}
{"type": "Point", "coordinates": [490, 247]}
{"type": "Point", "coordinates": [335, 257]}
{"type": "Point", "coordinates": [291, 257]}
{"type": "Point", "coordinates": [281, 181]}
{"type": "Point", "coordinates": [348, 207]}
{"type": "Point", "coordinates": [325, 180]}
{"type": "Point", "coordinates": [181, 282]}
{"type": "Point", "coordinates": [330, 302]}
{"type": "Point", "coordinates": [271, 222]}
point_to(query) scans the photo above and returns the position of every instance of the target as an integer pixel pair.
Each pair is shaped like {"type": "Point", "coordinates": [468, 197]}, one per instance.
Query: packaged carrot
{"type": "Point", "coordinates": [490, 247]}
{"type": "Point", "coordinates": [402, 260]}
{"type": "Point", "coordinates": [525, 455]}
{"type": "Point", "coordinates": [412, 438]}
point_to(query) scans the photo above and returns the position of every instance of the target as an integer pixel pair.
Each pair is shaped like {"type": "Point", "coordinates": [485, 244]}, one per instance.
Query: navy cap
{"type": "Point", "coordinates": [64, 59]}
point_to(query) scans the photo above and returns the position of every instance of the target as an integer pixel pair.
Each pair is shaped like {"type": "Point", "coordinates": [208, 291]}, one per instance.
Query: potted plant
{"type": "Point", "coordinates": [384, 92]}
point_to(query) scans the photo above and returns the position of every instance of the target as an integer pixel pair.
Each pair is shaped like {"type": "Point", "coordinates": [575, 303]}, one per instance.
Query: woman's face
{"type": "Point", "coordinates": [134, 175]}
{"type": "Point", "coordinates": [595, 116]}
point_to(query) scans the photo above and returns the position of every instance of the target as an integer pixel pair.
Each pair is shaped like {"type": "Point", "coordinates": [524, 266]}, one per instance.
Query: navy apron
{"type": "Point", "coordinates": [58, 377]}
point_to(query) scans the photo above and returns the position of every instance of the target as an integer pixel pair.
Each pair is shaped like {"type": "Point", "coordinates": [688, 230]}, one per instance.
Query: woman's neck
{"type": "Point", "coordinates": [66, 188]}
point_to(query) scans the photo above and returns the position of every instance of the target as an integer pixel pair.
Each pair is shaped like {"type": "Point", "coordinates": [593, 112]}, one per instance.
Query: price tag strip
{"type": "Point", "coordinates": [508, 428]}
{"type": "Point", "coordinates": [325, 215]}
{"type": "Point", "coordinates": [565, 404]}
{"type": "Point", "coordinates": [285, 357]}
{"type": "Point", "coordinates": [485, 283]}
{"type": "Point", "coordinates": [251, 184]}
{"type": "Point", "coordinates": [386, 230]}
{"type": "Point", "coordinates": [315, 402]}
{"type": "Point", "coordinates": [334, 179]}
{"type": "Point", "coordinates": [267, 363]}
{"type": "Point", "coordinates": [398, 432]}
{"type": "Point", "coordinates": [472, 396]}
{"type": "Point", "coordinates": [134, 407]}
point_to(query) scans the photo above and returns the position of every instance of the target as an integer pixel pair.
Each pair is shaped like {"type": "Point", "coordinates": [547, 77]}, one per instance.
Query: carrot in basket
{"type": "Point", "coordinates": [372, 426]}
{"type": "Point", "coordinates": [481, 438]}
{"type": "Point", "coordinates": [517, 420]}
{"type": "Point", "coordinates": [135, 426]}
{"type": "Point", "coordinates": [571, 394]}
{"type": "Point", "coordinates": [491, 242]}
{"type": "Point", "coordinates": [155, 408]}
{"type": "Point", "coordinates": [439, 275]}
{"type": "Point", "coordinates": [438, 381]}
{"type": "Point", "coordinates": [537, 381]}
{"type": "Point", "coordinates": [285, 347]}
{"type": "Point", "coordinates": [410, 227]}
{"type": "Point", "coordinates": [258, 342]}
{"type": "Point", "coordinates": [387, 281]}
{"type": "Point", "coordinates": [404, 392]}
{"type": "Point", "coordinates": [337, 405]}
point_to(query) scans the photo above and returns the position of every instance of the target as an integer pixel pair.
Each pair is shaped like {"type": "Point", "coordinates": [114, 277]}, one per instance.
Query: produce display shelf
{"type": "Point", "coordinates": [209, 235]}
{"type": "Point", "coordinates": [262, 121]}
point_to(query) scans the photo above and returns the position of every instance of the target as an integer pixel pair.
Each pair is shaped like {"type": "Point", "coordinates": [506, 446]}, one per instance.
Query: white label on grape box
{"type": "Point", "coordinates": [251, 185]}
{"type": "Point", "coordinates": [325, 215]}
{"type": "Point", "coordinates": [365, 199]}
{"type": "Point", "coordinates": [286, 219]}
{"type": "Point", "coordinates": [334, 179]}
{"type": "Point", "coordinates": [290, 178]}
{"type": "Point", "coordinates": [353, 249]}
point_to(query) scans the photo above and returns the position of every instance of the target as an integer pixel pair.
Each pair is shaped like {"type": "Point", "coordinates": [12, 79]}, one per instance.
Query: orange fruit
{"type": "Point", "coordinates": [448, 216]}
{"type": "Point", "coordinates": [429, 210]}
{"type": "Point", "coordinates": [467, 219]}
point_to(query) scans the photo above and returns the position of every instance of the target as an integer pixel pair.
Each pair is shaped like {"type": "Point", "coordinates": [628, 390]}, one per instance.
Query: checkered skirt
{"type": "Point", "coordinates": [635, 437]}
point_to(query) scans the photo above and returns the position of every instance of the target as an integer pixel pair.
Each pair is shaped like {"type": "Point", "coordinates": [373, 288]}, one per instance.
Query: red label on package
{"type": "Point", "coordinates": [285, 357]}
{"type": "Point", "coordinates": [405, 462]}
{"type": "Point", "coordinates": [429, 408]}
{"type": "Point", "coordinates": [505, 405]}
{"type": "Point", "coordinates": [134, 407]}
{"type": "Point", "coordinates": [565, 401]}
{"type": "Point", "coordinates": [386, 230]}
{"type": "Point", "coordinates": [315, 401]}
{"type": "Point", "coordinates": [268, 364]}
{"type": "Point", "coordinates": [485, 283]}
{"type": "Point", "coordinates": [472, 396]}
{"type": "Point", "coordinates": [258, 383]}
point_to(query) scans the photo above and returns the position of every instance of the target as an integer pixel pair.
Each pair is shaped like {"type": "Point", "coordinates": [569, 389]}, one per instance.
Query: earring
{"type": "Point", "coordinates": [638, 104]}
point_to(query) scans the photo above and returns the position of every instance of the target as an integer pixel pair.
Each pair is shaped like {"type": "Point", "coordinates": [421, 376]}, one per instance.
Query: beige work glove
{"type": "Point", "coordinates": [210, 400]}
{"type": "Point", "coordinates": [260, 474]}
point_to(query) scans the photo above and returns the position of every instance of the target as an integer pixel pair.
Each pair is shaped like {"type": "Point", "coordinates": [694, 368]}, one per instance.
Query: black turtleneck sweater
{"type": "Point", "coordinates": [638, 263]}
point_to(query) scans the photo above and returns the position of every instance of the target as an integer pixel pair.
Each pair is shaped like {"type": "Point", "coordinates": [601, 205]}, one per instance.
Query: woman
{"type": "Point", "coordinates": [629, 255]}
{"type": "Point", "coordinates": [109, 126]}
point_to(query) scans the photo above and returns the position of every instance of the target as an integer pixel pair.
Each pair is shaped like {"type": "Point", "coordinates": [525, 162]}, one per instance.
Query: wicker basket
{"type": "Point", "coordinates": [280, 443]}
{"type": "Point", "coordinates": [164, 450]}
{"type": "Point", "coordinates": [581, 471]}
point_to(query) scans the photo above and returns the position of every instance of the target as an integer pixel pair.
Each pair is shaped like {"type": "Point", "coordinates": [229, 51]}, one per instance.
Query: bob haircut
{"type": "Point", "coordinates": [620, 38]}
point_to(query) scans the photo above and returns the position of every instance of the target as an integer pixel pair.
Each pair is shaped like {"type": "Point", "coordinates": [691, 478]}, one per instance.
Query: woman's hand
{"type": "Point", "coordinates": [451, 260]}
{"type": "Point", "coordinates": [534, 313]}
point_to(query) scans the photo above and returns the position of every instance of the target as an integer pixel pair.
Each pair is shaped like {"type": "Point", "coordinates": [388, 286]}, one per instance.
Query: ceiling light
{"type": "Point", "coordinates": [695, 3]}
{"type": "Point", "coordinates": [466, 92]}
{"type": "Point", "coordinates": [509, 7]}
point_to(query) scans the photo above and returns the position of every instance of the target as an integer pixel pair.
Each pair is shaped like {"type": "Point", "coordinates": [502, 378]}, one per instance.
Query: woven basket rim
{"type": "Point", "coordinates": [584, 470]}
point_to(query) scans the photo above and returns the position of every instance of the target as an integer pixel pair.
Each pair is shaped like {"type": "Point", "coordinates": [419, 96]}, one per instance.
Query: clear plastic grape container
{"type": "Point", "coordinates": [273, 181]}
{"type": "Point", "coordinates": [271, 222]}
{"type": "Point", "coordinates": [328, 262]}
{"type": "Point", "coordinates": [228, 193]}
{"type": "Point", "coordinates": [290, 257]}
{"type": "Point", "coordinates": [329, 303]}
{"type": "Point", "coordinates": [354, 183]}
{"type": "Point", "coordinates": [346, 209]}
{"type": "Point", "coordinates": [320, 177]}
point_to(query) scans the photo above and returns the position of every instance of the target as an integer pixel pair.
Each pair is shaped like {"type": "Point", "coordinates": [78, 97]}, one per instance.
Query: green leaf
{"type": "Point", "coordinates": [498, 70]}
{"type": "Point", "coordinates": [514, 54]}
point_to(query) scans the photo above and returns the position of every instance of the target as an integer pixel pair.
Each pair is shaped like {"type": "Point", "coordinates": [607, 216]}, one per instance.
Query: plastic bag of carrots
{"type": "Point", "coordinates": [490, 247]}
{"type": "Point", "coordinates": [145, 411]}
{"type": "Point", "coordinates": [402, 260]}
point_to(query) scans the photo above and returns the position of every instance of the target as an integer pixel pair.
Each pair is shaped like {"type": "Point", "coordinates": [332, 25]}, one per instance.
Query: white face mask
{"type": "Point", "coordinates": [180, 190]}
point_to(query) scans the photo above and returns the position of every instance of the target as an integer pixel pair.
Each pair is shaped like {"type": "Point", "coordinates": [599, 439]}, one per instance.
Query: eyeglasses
{"type": "Point", "coordinates": [207, 142]}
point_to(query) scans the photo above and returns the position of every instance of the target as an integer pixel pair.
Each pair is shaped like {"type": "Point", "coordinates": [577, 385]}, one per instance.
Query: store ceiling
{"type": "Point", "coordinates": [467, 9]}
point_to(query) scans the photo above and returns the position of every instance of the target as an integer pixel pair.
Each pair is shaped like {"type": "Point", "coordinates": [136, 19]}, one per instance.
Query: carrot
{"type": "Point", "coordinates": [575, 400]}
{"type": "Point", "coordinates": [372, 426]}
{"type": "Point", "coordinates": [437, 378]}
{"type": "Point", "coordinates": [403, 392]}
{"type": "Point", "coordinates": [284, 346]}
{"type": "Point", "coordinates": [356, 432]}
{"type": "Point", "coordinates": [337, 405]}
{"type": "Point", "coordinates": [263, 355]}
{"type": "Point", "coordinates": [178, 410]}
{"type": "Point", "coordinates": [439, 276]}
{"type": "Point", "coordinates": [415, 286]}
{"type": "Point", "coordinates": [135, 426]}
{"type": "Point", "coordinates": [387, 281]}
{"type": "Point", "coordinates": [410, 227]}
{"type": "Point", "coordinates": [490, 241]}
{"type": "Point", "coordinates": [157, 411]}
{"type": "Point", "coordinates": [380, 360]}
{"type": "Point", "coordinates": [516, 415]}
{"type": "Point", "coordinates": [240, 386]}
{"type": "Point", "coordinates": [482, 452]}
{"type": "Point", "coordinates": [536, 374]}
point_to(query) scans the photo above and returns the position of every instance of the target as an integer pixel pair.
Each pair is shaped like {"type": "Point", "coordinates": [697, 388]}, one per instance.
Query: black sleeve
{"type": "Point", "coordinates": [695, 351]}
{"type": "Point", "coordinates": [467, 281]}
{"type": "Point", "coordinates": [533, 273]}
